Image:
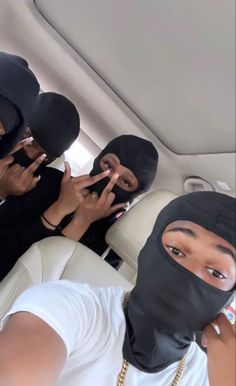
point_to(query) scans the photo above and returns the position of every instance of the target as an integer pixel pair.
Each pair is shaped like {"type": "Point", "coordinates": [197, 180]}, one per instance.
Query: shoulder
{"type": "Point", "coordinates": [71, 299]}
{"type": "Point", "coordinates": [91, 313]}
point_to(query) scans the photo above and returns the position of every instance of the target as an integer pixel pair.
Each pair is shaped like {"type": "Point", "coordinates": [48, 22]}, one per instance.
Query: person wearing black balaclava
{"type": "Point", "coordinates": [186, 275]}
{"type": "Point", "coordinates": [54, 126]}
{"type": "Point", "coordinates": [126, 155]}
{"type": "Point", "coordinates": [18, 91]}
{"type": "Point", "coordinates": [194, 303]}
{"type": "Point", "coordinates": [55, 207]}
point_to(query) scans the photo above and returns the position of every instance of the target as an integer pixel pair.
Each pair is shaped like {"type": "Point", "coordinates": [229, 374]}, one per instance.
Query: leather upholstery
{"type": "Point", "coordinates": [57, 258]}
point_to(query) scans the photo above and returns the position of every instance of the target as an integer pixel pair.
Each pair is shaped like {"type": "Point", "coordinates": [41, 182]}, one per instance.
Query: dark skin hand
{"type": "Point", "coordinates": [92, 209]}
{"type": "Point", "coordinates": [221, 352]}
{"type": "Point", "coordinates": [16, 180]}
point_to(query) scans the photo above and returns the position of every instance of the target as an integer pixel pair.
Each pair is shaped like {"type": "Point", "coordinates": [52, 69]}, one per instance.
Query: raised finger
{"type": "Point", "coordinates": [226, 328]}
{"type": "Point", "coordinates": [109, 200]}
{"type": "Point", "coordinates": [21, 144]}
{"type": "Point", "coordinates": [88, 181]}
{"type": "Point", "coordinates": [209, 333]}
{"type": "Point", "coordinates": [107, 190]}
{"type": "Point", "coordinates": [67, 172]}
{"type": "Point", "coordinates": [35, 165]}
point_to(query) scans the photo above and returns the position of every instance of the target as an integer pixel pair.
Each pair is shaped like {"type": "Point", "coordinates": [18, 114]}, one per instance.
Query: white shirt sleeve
{"type": "Point", "coordinates": [71, 309]}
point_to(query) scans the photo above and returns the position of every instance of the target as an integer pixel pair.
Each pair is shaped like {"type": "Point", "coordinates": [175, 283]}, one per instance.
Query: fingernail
{"type": "Point", "coordinates": [39, 177]}
{"type": "Point", "coordinates": [43, 156]}
{"type": "Point", "coordinates": [30, 139]}
{"type": "Point", "coordinates": [106, 172]}
{"type": "Point", "coordinates": [115, 176]}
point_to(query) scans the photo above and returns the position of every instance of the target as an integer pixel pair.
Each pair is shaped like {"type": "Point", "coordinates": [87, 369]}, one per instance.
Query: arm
{"type": "Point", "coordinates": [221, 352]}
{"type": "Point", "coordinates": [50, 324]}
{"type": "Point", "coordinates": [16, 239]}
{"type": "Point", "coordinates": [31, 352]}
{"type": "Point", "coordinates": [20, 223]}
{"type": "Point", "coordinates": [21, 227]}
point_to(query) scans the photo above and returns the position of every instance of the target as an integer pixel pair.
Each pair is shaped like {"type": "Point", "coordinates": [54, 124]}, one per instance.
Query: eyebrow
{"type": "Point", "coordinates": [226, 250]}
{"type": "Point", "coordinates": [186, 231]}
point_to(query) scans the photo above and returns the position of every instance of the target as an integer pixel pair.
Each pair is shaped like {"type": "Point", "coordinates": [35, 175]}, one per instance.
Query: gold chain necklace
{"type": "Point", "coordinates": [125, 365]}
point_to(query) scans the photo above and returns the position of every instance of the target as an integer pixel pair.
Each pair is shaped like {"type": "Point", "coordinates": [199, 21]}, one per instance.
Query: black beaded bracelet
{"type": "Point", "coordinates": [49, 223]}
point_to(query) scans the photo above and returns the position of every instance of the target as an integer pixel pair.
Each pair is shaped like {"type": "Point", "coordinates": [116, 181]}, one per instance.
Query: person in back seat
{"type": "Point", "coordinates": [53, 127]}
{"type": "Point", "coordinates": [64, 333]}
{"type": "Point", "coordinates": [18, 91]}
{"type": "Point", "coordinates": [80, 208]}
{"type": "Point", "coordinates": [135, 160]}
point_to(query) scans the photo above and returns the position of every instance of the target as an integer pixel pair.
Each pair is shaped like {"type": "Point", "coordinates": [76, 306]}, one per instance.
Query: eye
{"type": "Point", "coordinates": [126, 183]}
{"type": "Point", "coordinates": [216, 274]}
{"type": "Point", "coordinates": [175, 251]}
{"type": "Point", "coordinates": [107, 165]}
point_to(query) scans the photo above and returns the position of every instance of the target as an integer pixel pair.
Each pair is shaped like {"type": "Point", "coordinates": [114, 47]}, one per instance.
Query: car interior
{"type": "Point", "coordinates": [164, 71]}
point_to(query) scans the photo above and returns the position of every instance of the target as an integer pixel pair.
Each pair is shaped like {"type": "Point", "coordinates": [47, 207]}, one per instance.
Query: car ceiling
{"type": "Point", "coordinates": [171, 62]}
{"type": "Point", "coordinates": [163, 71]}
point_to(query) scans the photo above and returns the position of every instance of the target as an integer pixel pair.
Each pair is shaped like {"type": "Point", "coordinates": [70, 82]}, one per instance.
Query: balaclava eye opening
{"type": "Point", "coordinates": [169, 303]}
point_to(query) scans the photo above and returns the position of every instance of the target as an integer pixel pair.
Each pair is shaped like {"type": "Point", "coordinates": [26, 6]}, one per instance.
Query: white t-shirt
{"type": "Point", "coordinates": [91, 323]}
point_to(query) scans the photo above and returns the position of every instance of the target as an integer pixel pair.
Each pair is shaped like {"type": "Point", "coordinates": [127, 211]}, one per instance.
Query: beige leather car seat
{"type": "Point", "coordinates": [60, 258]}
{"type": "Point", "coordinates": [127, 236]}
{"type": "Point", "coordinates": [57, 258]}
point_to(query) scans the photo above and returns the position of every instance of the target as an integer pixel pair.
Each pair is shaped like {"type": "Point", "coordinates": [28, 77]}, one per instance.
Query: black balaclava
{"type": "Point", "coordinates": [55, 123]}
{"type": "Point", "coordinates": [19, 89]}
{"type": "Point", "coordinates": [169, 303]}
{"type": "Point", "coordinates": [9, 116]}
{"type": "Point", "coordinates": [137, 154]}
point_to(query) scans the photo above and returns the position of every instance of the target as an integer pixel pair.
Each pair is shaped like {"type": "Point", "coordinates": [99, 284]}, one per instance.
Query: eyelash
{"type": "Point", "coordinates": [216, 273]}
{"type": "Point", "coordinates": [173, 250]}
{"type": "Point", "coordinates": [213, 272]}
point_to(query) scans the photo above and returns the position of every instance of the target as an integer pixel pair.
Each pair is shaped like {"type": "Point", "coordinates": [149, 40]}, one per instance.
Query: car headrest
{"type": "Point", "coordinates": [127, 236]}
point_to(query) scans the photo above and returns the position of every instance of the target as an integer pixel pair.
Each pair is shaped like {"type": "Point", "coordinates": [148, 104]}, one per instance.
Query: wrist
{"type": "Point", "coordinates": [81, 221]}
{"type": "Point", "coordinates": [60, 209]}
{"type": "Point", "coordinates": [75, 229]}
{"type": "Point", "coordinates": [56, 212]}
